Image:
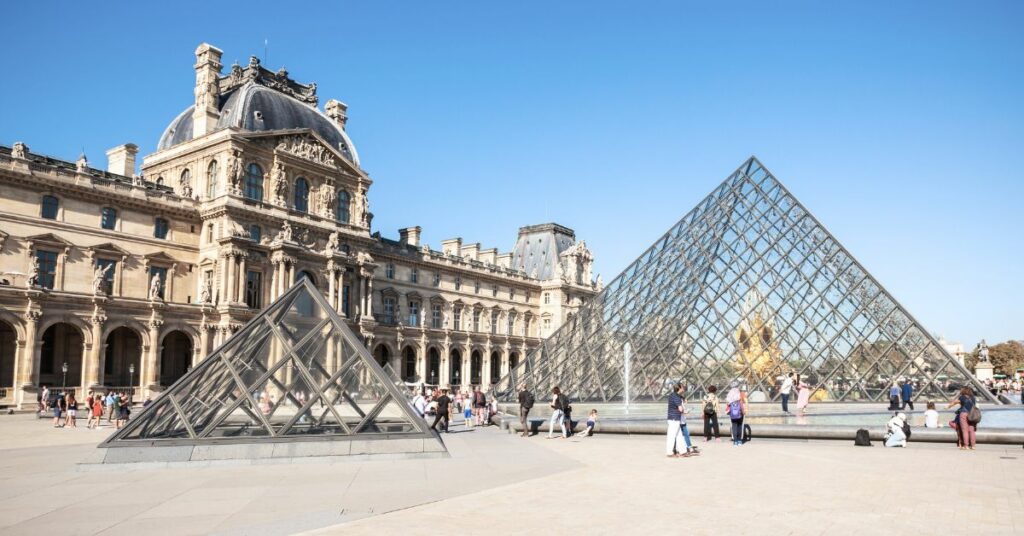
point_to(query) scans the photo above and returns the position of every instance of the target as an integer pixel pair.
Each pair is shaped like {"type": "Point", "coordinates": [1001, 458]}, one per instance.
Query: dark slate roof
{"type": "Point", "coordinates": [538, 248]}
{"type": "Point", "coordinates": [256, 108]}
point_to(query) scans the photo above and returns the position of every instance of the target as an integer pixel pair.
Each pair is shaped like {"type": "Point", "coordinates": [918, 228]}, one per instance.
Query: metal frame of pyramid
{"type": "Point", "coordinates": [743, 289]}
{"type": "Point", "coordinates": [295, 372]}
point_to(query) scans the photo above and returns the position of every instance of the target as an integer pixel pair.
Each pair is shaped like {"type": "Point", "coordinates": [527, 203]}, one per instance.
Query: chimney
{"type": "Point", "coordinates": [205, 114]}
{"type": "Point", "coordinates": [452, 246]}
{"type": "Point", "coordinates": [337, 111]}
{"type": "Point", "coordinates": [410, 235]}
{"type": "Point", "coordinates": [121, 159]}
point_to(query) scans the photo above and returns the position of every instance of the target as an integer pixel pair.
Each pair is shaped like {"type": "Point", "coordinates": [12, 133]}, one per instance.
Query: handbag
{"type": "Point", "coordinates": [974, 416]}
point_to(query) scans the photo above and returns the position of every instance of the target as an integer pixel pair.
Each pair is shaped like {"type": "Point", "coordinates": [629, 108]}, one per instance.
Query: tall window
{"type": "Point", "coordinates": [414, 314]}
{"type": "Point", "coordinates": [457, 319]}
{"type": "Point", "coordinates": [344, 201]}
{"type": "Point", "coordinates": [301, 195]}
{"type": "Point", "coordinates": [162, 274]}
{"type": "Point", "coordinates": [389, 271]}
{"type": "Point", "coordinates": [47, 268]}
{"type": "Point", "coordinates": [254, 182]}
{"type": "Point", "coordinates": [211, 180]}
{"type": "Point", "coordinates": [255, 233]}
{"type": "Point", "coordinates": [108, 267]}
{"type": "Point", "coordinates": [476, 320]}
{"type": "Point", "coordinates": [160, 227]}
{"type": "Point", "coordinates": [50, 206]}
{"type": "Point", "coordinates": [437, 279]}
{"type": "Point", "coordinates": [494, 322]}
{"type": "Point", "coordinates": [108, 218]}
{"type": "Point", "coordinates": [476, 287]}
{"type": "Point", "coordinates": [414, 275]}
{"type": "Point", "coordinates": [458, 282]}
{"type": "Point", "coordinates": [511, 323]}
{"type": "Point", "coordinates": [209, 234]}
{"type": "Point", "coordinates": [435, 316]}
{"type": "Point", "coordinates": [389, 310]}
{"type": "Point", "coordinates": [511, 293]}
{"type": "Point", "coordinates": [547, 298]}
{"type": "Point", "coordinates": [494, 290]}
{"type": "Point", "coordinates": [345, 291]}
{"type": "Point", "coordinates": [254, 289]}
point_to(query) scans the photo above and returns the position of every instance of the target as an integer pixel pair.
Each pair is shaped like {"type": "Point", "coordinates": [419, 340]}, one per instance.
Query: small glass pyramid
{"type": "Point", "coordinates": [745, 288]}
{"type": "Point", "coordinates": [294, 371]}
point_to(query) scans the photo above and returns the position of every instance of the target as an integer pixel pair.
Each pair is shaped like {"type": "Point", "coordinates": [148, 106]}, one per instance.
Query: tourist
{"type": "Point", "coordinates": [44, 399]}
{"type": "Point", "coordinates": [117, 409]}
{"type": "Point", "coordinates": [444, 411]}
{"type": "Point", "coordinates": [526, 401]}
{"type": "Point", "coordinates": [683, 428]}
{"type": "Point", "coordinates": [931, 417]}
{"type": "Point", "coordinates": [734, 405]}
{"type": "Point", "coordinates": [786, 389]}
{"type": "Point", "coordinates": [109, 400]}
{"type": "Point", "coordinates": [673, 434]}
{"type": "Point", "coordinates": [479, 403]}
{"type": "Point", "coordinates": [97, 412]}
{"type": "Point", "coordinates": [72, 411]}
{"type": "Point", "coordinates": [965, 430]}
{"type": "Point", "coordinates": [895, 436]}
{"type": "Point", "coordinates": [58, 410]}
{"type": "Point", "coordinates": [894, 396]}
{"type": "Point", "coordinates": [591, 422]}
{"type": "Point", "coordinates": [419, 403]}
{"type": "Point", "coordinates": [458, 401]}
{"type": "Point", "coordinates": [711, 414]}
{"type": "Point", "coordinates": [906, 393]}
{"type": "Point", "coordinates": [567, 415]}
{"type": "Point", "coordinates": [88, 406]}
{"type": "Point", "coordinates": [556, 413]}
{"type": "Point", "coordinates": [803, 394]}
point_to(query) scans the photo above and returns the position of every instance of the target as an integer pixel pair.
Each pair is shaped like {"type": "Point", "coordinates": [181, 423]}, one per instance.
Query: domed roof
{"type": "Point", "coordinates": [257, 108]}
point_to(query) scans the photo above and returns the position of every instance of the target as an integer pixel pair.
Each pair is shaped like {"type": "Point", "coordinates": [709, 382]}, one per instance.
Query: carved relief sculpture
{"type": "Point", "coordinates": [278, 181]}
{"type": "Point", "coordinates": [19, 150]}
{"type": "Point", "coordinates": [206, 293]}
{"type": "Point", "coordinates": [326, 200]}
{"type": "Point", "coordinates": [33, 273]}
{"type": "Point", "coordinates": [98, 276]}
{"type": "Point", "coordinates": [332, 244]}
{"type": "Point", "coordinates": [285, 234]}
{"type": "Point", "coordinates": [154, 287]}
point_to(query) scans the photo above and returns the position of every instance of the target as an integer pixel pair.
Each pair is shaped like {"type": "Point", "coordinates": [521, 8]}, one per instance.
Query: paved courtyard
{"type": "Point", "coordinates": [502, 484]}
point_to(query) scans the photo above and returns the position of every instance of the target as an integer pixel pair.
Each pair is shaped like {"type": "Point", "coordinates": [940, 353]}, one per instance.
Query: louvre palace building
{"type": "Point", "coordinates": [124, 278]}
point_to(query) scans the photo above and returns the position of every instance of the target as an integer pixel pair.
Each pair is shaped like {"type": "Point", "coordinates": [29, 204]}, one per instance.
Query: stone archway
{"type": "Point", "coordinates": [455, 374]}
{"type": "Point", "coordinates": [513, 360]}
{"type": "Point", "coordinates": [8, 347]}
{"type": "Point", "coordinates": [433, 366]}
{"type": "Point", "coordinates": [409, 364]}
{"type": "Point", "coordinates": [476, 366]}
{"type": "Point", "coordinates": [495, 367]}
{"type": "Point", "coordinates": [60, 345]}
{"type": "Point", "coordinates": [122, 359]}
{"type": "Point", "coordinates": [175, 358]}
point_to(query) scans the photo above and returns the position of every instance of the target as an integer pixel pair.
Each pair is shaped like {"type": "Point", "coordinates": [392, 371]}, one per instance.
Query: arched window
{"type": "Point", "coordinates": [254, 182]}
{"type": "Point", "coordinates": [211, 180]}
{"type": "Point", "coordinates": [344, 200]}
{"type": "Point", "coordinates": [50, 206]}
{"type": "Point", "coordinates": [301, 195]}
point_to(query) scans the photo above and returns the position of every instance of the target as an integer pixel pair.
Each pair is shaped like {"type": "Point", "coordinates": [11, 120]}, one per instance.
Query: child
{"type": "Point", "coordinates": [931, 417]}
{"type": "Point", "coordinates": [591, 421]}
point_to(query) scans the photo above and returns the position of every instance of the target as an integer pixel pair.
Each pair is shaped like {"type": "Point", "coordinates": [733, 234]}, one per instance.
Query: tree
{"type": "Point", "coordinates": [1007, 356]}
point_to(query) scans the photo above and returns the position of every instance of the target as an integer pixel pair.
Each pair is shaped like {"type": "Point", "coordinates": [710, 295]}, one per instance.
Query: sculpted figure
{"type": "Point", "coordinates": [285, 235]}
{"type": "Point", "coordinates": [278, 183]}
{"type": "Point", "coordinates": [154, 287]}
{"type": "Point", "coordinates": [19, 150]}
{"type": "Point", "coordinates": [235, 171]}
{"type": "Point", "coordinates": [332, 244]}
{"type": "Point", "coordinates": [33, 272]}
{"type": "Point", "coordinates": [98, 276]}
{"type": "Point", "coordinates": [206, 293]}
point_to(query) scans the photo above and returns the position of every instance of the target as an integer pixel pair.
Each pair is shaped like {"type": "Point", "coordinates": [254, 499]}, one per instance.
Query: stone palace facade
{"type": "Point", "coordinates": [112, 279]}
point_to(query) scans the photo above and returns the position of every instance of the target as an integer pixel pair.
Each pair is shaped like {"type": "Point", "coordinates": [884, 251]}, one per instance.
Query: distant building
{"type": "Point", "coordinates": [129, 280]}
{"type": "Point", "coordinates": [954, 348]}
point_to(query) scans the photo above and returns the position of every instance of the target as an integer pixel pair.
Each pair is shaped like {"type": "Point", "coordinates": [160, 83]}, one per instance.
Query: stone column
{"type": "Point", "coordinates": [241, 277]}
{"type": "Point", "coordinates": [149, 376]}
{"type": "Point", "coordinates": [223, 294]}
{"type": "Point", "coordinates": [27, 378]}
{"type": "Point", "coordinates": [332, 286]}
{"type": "Point", "coordinates": [445, 372]}
{"type": "Point", "coordinates": [467, 367]}
{"type": "Point", "coordinates": [92, 371]}
{"type": "Point", "coordinates": [485, 372]}
{"type": "Point", "coordinates": [232, 277]}
{"type": "Point", "coordinates": [291, 275]}
{"type": "Point", "coordinates": [204, 342]}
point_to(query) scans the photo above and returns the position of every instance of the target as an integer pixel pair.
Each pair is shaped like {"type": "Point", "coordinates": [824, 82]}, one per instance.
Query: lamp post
{"type": "Point", "coordinates": [131, 382]}
{"type": "Point", "coordinates": [64, 382]}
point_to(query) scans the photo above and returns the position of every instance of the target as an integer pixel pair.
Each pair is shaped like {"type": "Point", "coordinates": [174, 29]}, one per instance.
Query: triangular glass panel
{"type": "Point", "coordinates": [744, 288]}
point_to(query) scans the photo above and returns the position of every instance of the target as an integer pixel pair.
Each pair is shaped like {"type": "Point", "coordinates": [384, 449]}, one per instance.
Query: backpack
{"type": "Point", "coordinates": [562, 403]}
{"type": "Point", "coordinates": [709, 409]}
{"type": "Point", "coordinates": [478, 398]}
{"type": "Point", "coordinates": [747, 434]}
{"type": "Point", "coordinates": [528, 400]}
{"type": "Point", "coordinates": [906, 429]}
{"type": "Point", "coordinates": [735, 410]}
{"type": "Point", "coordinates": [974, 416]}
{"type": "Point", "coordinates": [863, 438]}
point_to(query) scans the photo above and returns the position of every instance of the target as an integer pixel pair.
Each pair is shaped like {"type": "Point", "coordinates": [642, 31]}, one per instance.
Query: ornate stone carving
{"type": "Point", "coordinates": [99, 274]}
{"type": "Point", "coordinates": [235, 172]}
{"type": "Point", "coordinates": [599, 285]}
{"type": "Point", "coordinates": [20, 150]}
{"type": "Point", "coordinates": [154, 288]}
{"type": "Point", "coordinates": [307, 149]}
{"type": "Point", "coordinates": [185, 185]}
{"type": "Point", "coordinates": [279, 183]}
{"type": "Point", "coordinates": [363, 257]}
{"type": "Point", "coordinates": [33, 273]}
{"type": "Point", "coordinates": [206, 293]}
{"type": "Point", "coordinates": [325, 198]}
{"type": "Point", "coordinates": [332, 244]}
{"type": "Point", "coordinates": [99, 316]}
{"type": "Point", "coordinates": [362, 210]}
{"type": "Point", "coordinates": [285, 234]}
{"type": "Point", "coordinates": [82, 164]}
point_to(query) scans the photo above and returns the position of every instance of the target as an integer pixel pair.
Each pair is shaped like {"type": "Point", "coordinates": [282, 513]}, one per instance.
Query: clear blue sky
{"type": "Point", "coordinates": [900, 125]}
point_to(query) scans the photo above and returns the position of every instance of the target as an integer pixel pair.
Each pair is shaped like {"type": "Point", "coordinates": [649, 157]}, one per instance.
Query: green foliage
{"type": "Point", "coordinates": [1006, 356]}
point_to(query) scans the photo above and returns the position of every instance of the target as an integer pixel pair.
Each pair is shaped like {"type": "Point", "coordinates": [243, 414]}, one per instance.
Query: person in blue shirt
{"type": "Point", "coordinates": [907, 391]}
{"type": "Point", "coordinates": [964, 430]}
{"type": "Point", "coordinates": [894, 396]}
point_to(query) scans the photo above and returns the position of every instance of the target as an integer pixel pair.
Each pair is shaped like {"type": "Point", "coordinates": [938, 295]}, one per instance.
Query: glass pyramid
{"type": "Point", "coordinates": [294, 371]}
{"type": "Point", "coordinates": [745, 288]}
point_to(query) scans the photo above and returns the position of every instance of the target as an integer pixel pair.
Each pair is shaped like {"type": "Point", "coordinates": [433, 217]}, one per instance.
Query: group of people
{"type": "Point", "coordinates": [965, 421]}
{"type": "Point", "coordinates": [475, 407]}
{"type": "Point", "coordinates": [794, 381]}
{"type": "Point", "coordinates": [677, 438]}
{"type": "Point", "coordinates": [65, 408]}
{"type": "Point", "coordinates": [561, 414]}
{"type": "Point", "coordinates": [901, 395]}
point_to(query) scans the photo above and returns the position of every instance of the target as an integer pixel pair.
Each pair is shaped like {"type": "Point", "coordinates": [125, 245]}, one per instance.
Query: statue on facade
{"type": "Point", "coordinates": [82, 164]}
{"type": "Point", "coordinates": [99, 275]}
{"type": "Point", "coordinates": [285, 234]}
{"type": "Point", "coordinates": [185, 185]}
{"type": "Point", "coordinates": [19, 150]}
{"type": "Point", "coordinates": [154, 287]}
{"type": "Point", "coordinates": [363, 257]}
{"type": "Point", "coordinates": [982, 350]}
{"type": "Point", "coordinates": [33, 272]}
{"type": "Point", "coordinates": [206, 293]}
{"type": "Point", "coordinates": [332, 244]}
{"type": "Point", "coordinates": [326, 200]}
{"type": "Point", "coordinates": [278, 182]}
{"type": "Point", "coordinates": [235, 172]}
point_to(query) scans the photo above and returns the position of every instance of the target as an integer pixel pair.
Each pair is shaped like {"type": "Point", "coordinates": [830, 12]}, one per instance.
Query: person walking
{"type": "Point", "coordinates": [894, 396]}
{"type": "Point", "coordinates": [444, 411]}
{"type": "Point", "coordinates": [906, 393]}
{"type": "Point", "coordinates": [58, 410]}
{"type": "Point", "coordinates": [734, 403]}
{"type": "Point", "coordinates": [72, 412]}
{"type": "Point", "coordinates": [673, 433]}
{"type": "Point", "coordinates": [44, 399]}
{"type": "Point", "coordinates": [419, 403]}
{"type": "Point", "coordinates": [965, 430]}
{"type": "Point", "coordinates": [97, 412]}
{"type": "Point", "coordinates": [711, 414]}
{"type": "Point", "coordinates": [557, 414]}
{"type": "Point", "coordinates": [786, 390]}
{"type": "Point", "coordinates": [526, 401]}
{"type": "Point", "coordinates": [110, 406]}
{"type": "Point", "coordinates": [803, 394]}
{"type": "Point", "coordinates": [479, 403]}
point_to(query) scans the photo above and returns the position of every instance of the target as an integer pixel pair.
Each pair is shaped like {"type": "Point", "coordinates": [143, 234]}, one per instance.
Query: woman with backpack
{"type": "Point", "coordinates": [557, 413]}
{"type": "Point", "coordinates": [711, 413]}
{"type": "Point", "coordinates": [967, 417]}
{"type": "Point", "coordinates": [734, 405]}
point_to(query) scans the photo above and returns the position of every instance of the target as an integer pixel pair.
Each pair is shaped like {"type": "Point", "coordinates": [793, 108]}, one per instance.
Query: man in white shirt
{"type": "Point", "coordinates": [787, 388]}
{"type": "Point", "coordinates": [419, 403]}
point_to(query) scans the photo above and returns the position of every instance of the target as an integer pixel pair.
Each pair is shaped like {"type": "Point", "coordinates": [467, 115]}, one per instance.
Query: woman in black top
{"type": "Point", "coordinates": [965, 430]}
